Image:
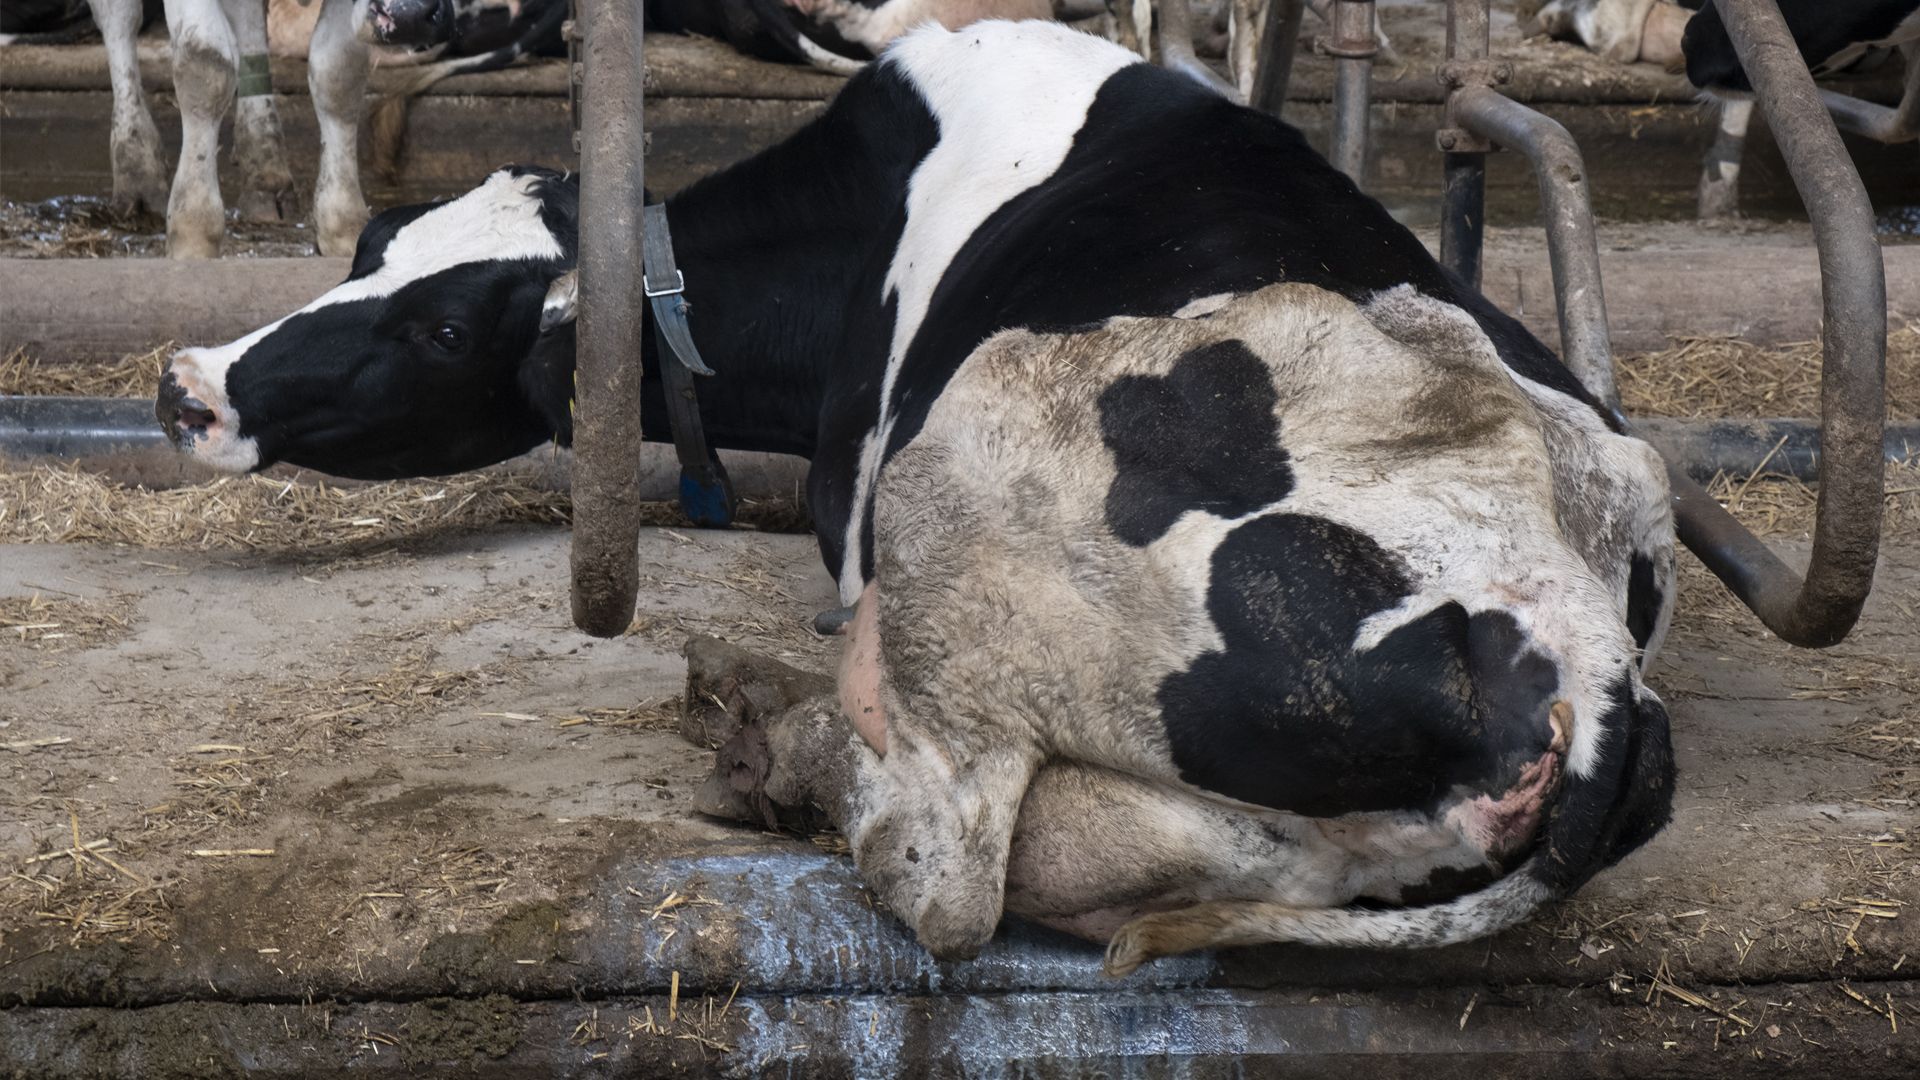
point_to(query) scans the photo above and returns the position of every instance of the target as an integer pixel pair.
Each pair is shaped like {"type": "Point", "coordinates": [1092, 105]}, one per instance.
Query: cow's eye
{"type": "Point", "coordinates": [450, 337]}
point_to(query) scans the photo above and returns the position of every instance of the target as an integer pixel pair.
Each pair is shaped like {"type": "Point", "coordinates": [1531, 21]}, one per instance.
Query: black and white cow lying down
{"type": "Point", "coordinates": [1225, 569]}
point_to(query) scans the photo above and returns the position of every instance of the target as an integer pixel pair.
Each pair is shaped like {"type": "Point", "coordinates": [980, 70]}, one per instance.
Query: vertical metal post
{"type": "Point", "coordinates": [606, 429]}
{"type": "Point", "coordinates": [1352, 46]}
{"type": "Point", "coordinates": [1463, 193]}
{"type": "Point", "coordinates": [1279, 38]}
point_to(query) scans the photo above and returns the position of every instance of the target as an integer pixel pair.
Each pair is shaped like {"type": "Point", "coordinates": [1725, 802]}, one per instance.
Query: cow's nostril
{"type": "Point", "coordinates": [194, 415]}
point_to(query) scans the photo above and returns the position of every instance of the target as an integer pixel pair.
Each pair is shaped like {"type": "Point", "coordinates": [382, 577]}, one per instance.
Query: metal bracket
{"type": "Point", "coordinates": [679, 286]}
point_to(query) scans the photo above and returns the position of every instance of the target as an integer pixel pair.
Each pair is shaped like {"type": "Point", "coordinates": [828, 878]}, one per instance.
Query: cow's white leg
{"type": "Point", "coordinates": [337, 78]}
{"type": "Point", "coordinates": [266, 185]}
{"type": "Point", "coordinates": [1720, 173]}
{"type": "Point", "coordinates": [204, 67]}
{"type": "Point", "coordinates": [139, 177]}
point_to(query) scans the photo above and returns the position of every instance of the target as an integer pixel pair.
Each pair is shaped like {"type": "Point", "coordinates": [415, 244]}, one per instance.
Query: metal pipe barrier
{"type": "Point", "coordinates": [1353, 46]}
{"type": "Point", "coordinates": [1279, 37]}
{"type": "Point", "coordinates": [1463, 189]}
{"type": "Point", "coordinates": [607, 373]}
{"type": "Point", "coordinates": [1820, 609]}
{"type": "Point", "coordinates": [1176, 50]}
{"type": "Point", "coordinates": [1573, 248]}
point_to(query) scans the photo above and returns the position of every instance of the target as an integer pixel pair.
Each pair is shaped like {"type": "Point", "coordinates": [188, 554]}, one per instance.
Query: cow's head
{"type": "Point", "coordinates": [448, 347]}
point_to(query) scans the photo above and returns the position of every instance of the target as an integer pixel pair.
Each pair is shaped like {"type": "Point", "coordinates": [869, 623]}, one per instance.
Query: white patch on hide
{"type": "Point", "coordinates": [1009, 98]}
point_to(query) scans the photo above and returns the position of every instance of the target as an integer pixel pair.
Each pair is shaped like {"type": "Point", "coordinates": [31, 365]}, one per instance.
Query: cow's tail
{"type": "Point", "coordinates": [387, 119]}
{"type": "Point", "coordinates": [1624, 797]}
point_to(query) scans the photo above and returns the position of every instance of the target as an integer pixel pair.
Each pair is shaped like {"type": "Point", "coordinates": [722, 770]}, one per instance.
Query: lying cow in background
{"type": "Point", "coordinates": [1833, 36]}
{"type": "Point", "coordinates": [1221, 561]}
{"type": "Point", "coordinates": [834, 35]}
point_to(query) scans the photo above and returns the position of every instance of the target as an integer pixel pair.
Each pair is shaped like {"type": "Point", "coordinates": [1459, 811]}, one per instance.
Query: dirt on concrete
{"type": "Point", "coordinates": [402, 776]}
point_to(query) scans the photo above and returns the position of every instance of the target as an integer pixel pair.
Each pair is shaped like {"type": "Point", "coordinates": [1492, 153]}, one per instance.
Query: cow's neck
{"type": "Point", "coordinates": [785, 256]}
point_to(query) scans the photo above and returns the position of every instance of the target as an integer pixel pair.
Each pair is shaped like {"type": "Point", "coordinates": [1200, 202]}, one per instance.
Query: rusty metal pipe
{"type": "Point", "coordinates": [1819, 610]}
{"type": "Point", "coordinates": [606, 428]}
{"type": "Point", "coordinates": [1573, 248]}
{"type": "Point", "coordinates": [1176, 50]}
{"type": "Point", "coordinates": [1279, 38]}
{"type": "Point", "coordinates": [1353, 46]}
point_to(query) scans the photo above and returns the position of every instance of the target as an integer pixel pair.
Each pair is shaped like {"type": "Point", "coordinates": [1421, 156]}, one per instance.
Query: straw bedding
{"type": "Point", "coordinates": [1697, 377]}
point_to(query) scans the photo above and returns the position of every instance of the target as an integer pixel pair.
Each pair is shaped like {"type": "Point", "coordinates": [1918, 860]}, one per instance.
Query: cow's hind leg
{"type": "Point", "coordinates": [266, 184]}
{"type": "Point", "coordinates": [139, 178]}
{"type": "Point", "coordinates": [204, 63]}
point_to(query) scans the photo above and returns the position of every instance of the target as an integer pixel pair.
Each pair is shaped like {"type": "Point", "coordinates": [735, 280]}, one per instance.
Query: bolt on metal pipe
{"type": "Point", "coordinates": [606, 429]}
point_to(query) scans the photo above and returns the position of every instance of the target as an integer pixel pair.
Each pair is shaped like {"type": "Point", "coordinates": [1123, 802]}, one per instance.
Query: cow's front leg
{"type": "Point", "coordinates": [929, 821]}
{"type": "Point", "coordinates": [337, 79]}
{"type": "Point", "coordinates": [204, 63]}
{"type": "Point", "coordinates": [266, 184]}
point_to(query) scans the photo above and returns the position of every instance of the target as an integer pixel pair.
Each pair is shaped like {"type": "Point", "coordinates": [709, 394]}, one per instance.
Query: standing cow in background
{"type": "Point", "coordinates": [219, 58]}
{"type": "Point", "coordinates": [1226, 570]}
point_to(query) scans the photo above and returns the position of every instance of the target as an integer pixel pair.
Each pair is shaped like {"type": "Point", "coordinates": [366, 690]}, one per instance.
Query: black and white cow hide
{"type": "Point", "coordinates": [1226, 570]}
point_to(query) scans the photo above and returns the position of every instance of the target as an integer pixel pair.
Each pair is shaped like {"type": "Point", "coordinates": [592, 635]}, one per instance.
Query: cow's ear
{"type": "Point", "coordinates": [563, 298]}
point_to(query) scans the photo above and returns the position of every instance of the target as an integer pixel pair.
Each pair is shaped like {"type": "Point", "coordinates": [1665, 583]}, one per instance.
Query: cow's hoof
{"type": "Point", "coordinates": [832, 621]}
{"type": "Point", "coordinates": [268, 206]}
{"type": "Point", "coordinates": [728, 687]}
{"type": "Point", "coordinates": [1131, 946]}
{"type": "Point", "coordinates": [738, 787]}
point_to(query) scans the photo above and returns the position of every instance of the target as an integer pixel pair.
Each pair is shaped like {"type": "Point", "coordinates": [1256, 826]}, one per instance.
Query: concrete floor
{"type": "Point", "coordinates": [482, 857]}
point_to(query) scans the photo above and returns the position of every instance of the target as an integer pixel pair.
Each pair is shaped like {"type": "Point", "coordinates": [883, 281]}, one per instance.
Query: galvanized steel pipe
{"type": "Point", "coordinates": [1352, 46]}
{"type": "Point", "coordinates": [1573, 249]}
{"type": "Point", "coordinates": [606, 429]}
{"type": "Point", "coordinates": [1463, 191]}
{"type": "Point", "coordinates": [1279, 38]}
{"type": "Point", "coordinates": [1820, 609]}
{"type": "Point", "coordinates": [1176, 50]}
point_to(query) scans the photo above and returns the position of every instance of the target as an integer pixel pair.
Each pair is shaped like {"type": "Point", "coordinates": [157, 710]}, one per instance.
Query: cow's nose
{"type": "Point", "coordinates": [180, 416]}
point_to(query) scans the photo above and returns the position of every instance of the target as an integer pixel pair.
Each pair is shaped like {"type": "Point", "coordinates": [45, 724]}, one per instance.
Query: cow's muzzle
{"type": "Point", "coordinates": [183, 418]}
